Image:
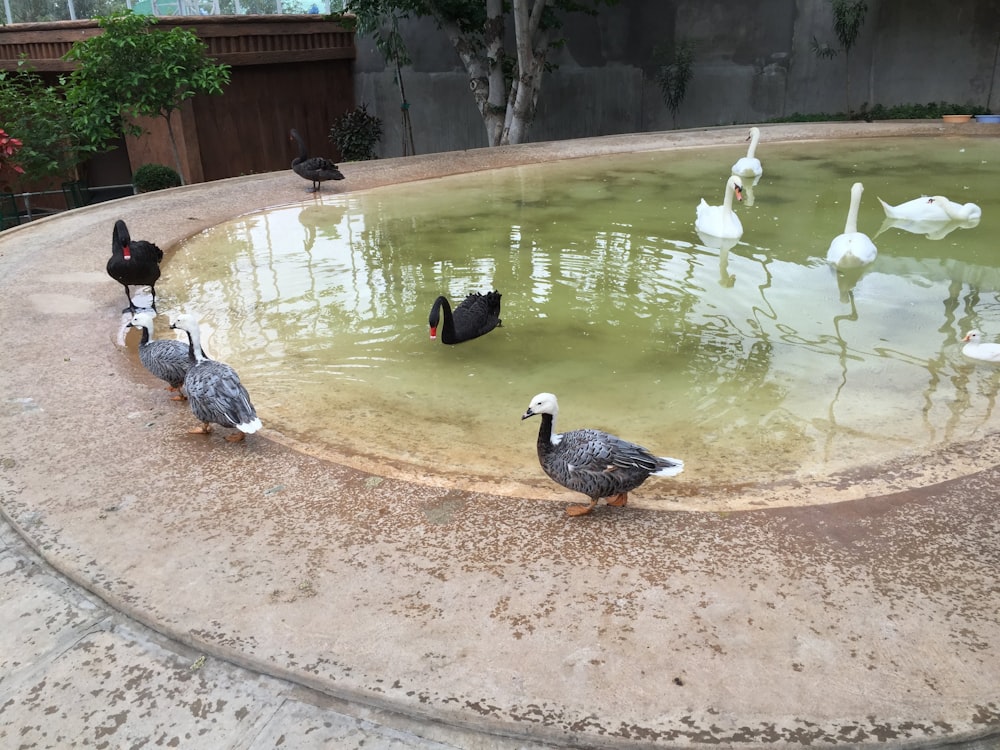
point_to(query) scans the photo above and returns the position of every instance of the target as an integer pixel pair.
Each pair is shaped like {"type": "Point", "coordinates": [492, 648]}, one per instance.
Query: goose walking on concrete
{"type": "Point", "coordinates": [167, 359]}
{"type": "Point", "coordinates": [214, 389]}
{"type": "Point", "coordinates": [592, 462]}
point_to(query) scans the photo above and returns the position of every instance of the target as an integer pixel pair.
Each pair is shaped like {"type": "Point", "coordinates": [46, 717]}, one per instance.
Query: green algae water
{"type": "Point", "coordinates": [754, 362]}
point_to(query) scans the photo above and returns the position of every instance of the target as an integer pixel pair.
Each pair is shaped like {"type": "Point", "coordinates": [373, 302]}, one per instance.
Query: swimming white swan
{"type": "Point", "coordinates": [976, 349]}
{"type": "Point", "coordinates": [932, 208]}
{"type": "Point", "coordinates": [748, 167]}
{"type": "Point", "coordinates": [852, 249]}
{"type": "Point", "coordinates": [721, 221]}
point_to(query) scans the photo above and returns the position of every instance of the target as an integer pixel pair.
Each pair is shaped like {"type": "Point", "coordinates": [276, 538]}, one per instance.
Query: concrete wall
{"type": "Point", "coordinates": [753, 63]}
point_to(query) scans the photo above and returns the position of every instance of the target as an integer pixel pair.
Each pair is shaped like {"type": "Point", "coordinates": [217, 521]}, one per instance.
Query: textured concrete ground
{"type": "Point", "coordinates": [350, 608]}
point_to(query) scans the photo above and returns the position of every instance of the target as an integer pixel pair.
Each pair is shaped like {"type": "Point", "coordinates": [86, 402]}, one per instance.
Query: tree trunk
{"type": "Point", "coordinates": [476, 68]}
{"type": "Point", "coordinates": [496, 103]}
{"type": "Point", "coordinates": [506, 114]}
{"type": "Point", "coordinates": [532, 45]}
{"type": "Point", "coordinates": [173, 147]}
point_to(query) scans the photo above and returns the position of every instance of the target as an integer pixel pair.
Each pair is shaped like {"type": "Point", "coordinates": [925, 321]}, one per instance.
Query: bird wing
{"type": "Point", "coordinates": [598, 464]}
{"type": "Point", "coordinates": [477, 314]}
{"type": "Point", "coordinates": [319, 165]}
{"type": "Point", "coordinates": [167, 359]}
{"type": "Point", "coordinates": [146, 251]}
{"type": "Point", "coordinates": [217, 395]}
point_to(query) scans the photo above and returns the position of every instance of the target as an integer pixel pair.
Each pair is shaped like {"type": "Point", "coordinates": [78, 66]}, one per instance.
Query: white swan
{"type": "Point", "coordinates": [932, 208]}
{"type": "Point", "coordinates": [976, 349]}
{"type": "Point", "coordinates": [720, 221]}
{"type": "Point", "coordinates": [748, 167]}
{"type": "Point", "coordinates": [852, 249]}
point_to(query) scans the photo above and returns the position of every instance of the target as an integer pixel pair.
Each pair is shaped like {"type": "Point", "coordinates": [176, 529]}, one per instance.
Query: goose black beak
{"type": "Point", "coordinates": [527, 414]}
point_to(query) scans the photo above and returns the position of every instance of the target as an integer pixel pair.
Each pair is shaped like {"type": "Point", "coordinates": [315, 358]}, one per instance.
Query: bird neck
{"type": "Point", "coordinates": [851, 226]}
{"type": "Point", "coordinates": [545, 433]}
{"type": "Point", "coordinates": [145, 337]}
{"type": "Point", "coordinates": [727, 200]}
{"type": "Point", "coordinates": [447, 320]}
{"type": "Point", "coordinates": [195, 352]}
{"type": "Point", "coordinates": [303, 153]}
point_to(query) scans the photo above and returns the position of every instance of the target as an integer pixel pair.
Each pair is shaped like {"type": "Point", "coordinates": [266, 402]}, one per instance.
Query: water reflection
{"type": "Point", "coordinates": [752, 361]}
{"type": "Point", "coordinates": [932, 229]}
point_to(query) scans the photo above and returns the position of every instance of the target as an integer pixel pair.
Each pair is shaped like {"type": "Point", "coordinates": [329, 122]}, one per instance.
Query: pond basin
{"type": "Point", "coordinates": [754, 361]}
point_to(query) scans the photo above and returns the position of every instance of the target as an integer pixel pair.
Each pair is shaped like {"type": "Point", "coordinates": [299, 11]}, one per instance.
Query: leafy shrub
{"type": "Point", "coordinates": [356, 134]}
{"type": "Point", "coordinates": [43, 120]}
{"type": "Point", "coordinates": [151, 177]}
{"type": "Point", "coordinates": [929, 111]}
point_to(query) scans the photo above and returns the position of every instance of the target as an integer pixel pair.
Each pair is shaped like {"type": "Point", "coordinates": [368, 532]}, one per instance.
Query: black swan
{"type": "Point", "coordinates": [136, 263]}
{"type": "Point", "coordinates": [214, 389]}
{"type": "Point", "coordinates": [167, 359]}
{"type": "Point", "coordinates": [593, 462]}
{"type": "Point", "coordinates": [476, 315]}
{"type": "Point", "coordinates": [316, 168]}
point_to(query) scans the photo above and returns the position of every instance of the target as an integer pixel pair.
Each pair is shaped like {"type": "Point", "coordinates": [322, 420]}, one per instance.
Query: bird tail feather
{"type": "Point", "coordinates": [674, 467]}
{"type": "Point", "coordinates": [250, 427]}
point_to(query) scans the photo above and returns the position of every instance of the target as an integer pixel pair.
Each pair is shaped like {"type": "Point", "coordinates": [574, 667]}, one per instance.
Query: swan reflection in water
{"type": "Point", "coordinates": [723, 245]}
{"type": "Point", "coordinates": [929, 228]}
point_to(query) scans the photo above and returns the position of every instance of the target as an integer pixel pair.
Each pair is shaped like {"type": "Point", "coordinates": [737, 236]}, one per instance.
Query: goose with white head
{"type": "Point", "coordinates": [214, 389]}
{"type": "Point", "coordinates": [593, 462]}
{"type": "Point", "coordinates": [167, 359]}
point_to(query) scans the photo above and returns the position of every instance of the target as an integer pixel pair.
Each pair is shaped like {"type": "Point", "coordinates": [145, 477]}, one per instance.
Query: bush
{"type": "Point", "coordinates": [151, 177]}
{"type": "Point", "coordinates": [929, 111]}
{"type": "Point", "coordinates": [356, 134]}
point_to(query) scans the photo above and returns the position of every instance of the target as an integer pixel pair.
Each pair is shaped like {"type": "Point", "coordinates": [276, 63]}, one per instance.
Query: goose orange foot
{"type": "Point", "coordinates": [580, 510]}
{"type": "Point", "coordinates": [204, 429]}
{"type": "Point", "coordinates": [618, 500]}
{"type": "Point", "coordinates": [235, 437]}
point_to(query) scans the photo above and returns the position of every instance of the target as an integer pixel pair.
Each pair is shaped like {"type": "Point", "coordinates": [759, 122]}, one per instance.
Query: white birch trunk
{"type": "Point", "coordinates": [532, 45]}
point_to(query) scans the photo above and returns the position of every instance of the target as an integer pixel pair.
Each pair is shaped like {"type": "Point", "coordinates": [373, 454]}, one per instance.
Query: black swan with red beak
{"type": "Point", "coordinates": [476, 315]}
{"type": "Point", "coordinates": [135, 263]}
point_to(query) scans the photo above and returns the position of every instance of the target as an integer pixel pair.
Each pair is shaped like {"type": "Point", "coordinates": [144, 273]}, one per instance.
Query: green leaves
{"type": "Point", "coordinates": [134, 70]}
{"type": "Point", "coordinates": [39, 115]}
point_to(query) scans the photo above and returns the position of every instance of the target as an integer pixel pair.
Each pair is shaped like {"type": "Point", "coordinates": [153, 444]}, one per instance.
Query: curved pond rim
{"type": "Point", "coordinates": [701, 494]}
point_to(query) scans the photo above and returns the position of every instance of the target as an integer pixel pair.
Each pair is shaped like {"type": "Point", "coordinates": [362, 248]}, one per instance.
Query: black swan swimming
{"type": "Point", "coordinates": [214, 389]}
{"type": "Point", "coordinates": [316, 168]}
{"type": "Point", "coordinates": [476, 315]}
{"type": "Point", "coordinates": [593, 462]}
{"type": "Point", "coordinates": [167, 359]}
{"type": "Point", "coordinates": [136, 263]}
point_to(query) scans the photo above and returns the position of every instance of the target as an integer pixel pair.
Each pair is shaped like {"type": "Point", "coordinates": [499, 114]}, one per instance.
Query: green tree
{"type": "Point", "coordinates": [505, 85]}
{"type": "Point", "coordinates": [134, 70]}
{"type": "Point", "coordinates": [848, 18]}
{"type": "Point", "coordinates": [40, 115]}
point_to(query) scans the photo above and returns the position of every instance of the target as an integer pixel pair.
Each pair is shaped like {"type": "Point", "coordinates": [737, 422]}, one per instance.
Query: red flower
{"type": "Point", "coordinates": [8, 147]}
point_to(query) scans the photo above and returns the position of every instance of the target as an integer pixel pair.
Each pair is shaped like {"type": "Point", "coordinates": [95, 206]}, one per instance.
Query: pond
{"type": "Point", "coordinates": [757, 364]}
